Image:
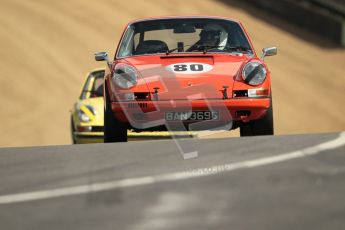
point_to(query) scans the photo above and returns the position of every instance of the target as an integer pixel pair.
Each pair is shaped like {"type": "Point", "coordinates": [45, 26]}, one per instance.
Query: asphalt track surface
{"type": "Point", "coordinates": [281, 182]}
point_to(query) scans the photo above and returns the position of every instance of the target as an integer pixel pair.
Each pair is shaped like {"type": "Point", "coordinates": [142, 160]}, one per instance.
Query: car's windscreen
{"type": "Point", "coordinates": [183, 35]}
{"type": "Point", "coordinates": [94, 85]}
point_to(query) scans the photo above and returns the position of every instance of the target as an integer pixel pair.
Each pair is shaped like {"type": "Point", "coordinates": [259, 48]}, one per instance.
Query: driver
{"type": "Point", "coordinates": [212, 36]}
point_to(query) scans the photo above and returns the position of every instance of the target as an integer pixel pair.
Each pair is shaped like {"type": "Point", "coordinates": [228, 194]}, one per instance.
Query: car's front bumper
{"type": "Point", "coordinates": [137, 112]}
{"type": "Point", "coordinates": [88, 137]}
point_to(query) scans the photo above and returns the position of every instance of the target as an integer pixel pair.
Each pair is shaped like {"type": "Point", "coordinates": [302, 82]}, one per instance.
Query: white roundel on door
{"type": "Point", "coordinates": [189, 68]}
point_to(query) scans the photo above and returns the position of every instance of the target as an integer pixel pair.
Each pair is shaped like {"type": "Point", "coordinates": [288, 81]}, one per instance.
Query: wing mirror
{"type": "Point", "coordinates": [102, 56]}
{"type": "Point", "coordinates": [270, 51]}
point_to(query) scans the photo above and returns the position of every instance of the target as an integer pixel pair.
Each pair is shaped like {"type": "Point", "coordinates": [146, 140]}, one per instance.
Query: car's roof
{"type": "Point", "coordinates": [182, 17]}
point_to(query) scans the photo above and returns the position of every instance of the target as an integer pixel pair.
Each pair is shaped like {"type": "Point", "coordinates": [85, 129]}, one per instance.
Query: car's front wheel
{"type": "Point", "coordinates": [263, 126]}
{"type": "Point", "coordinates": [72, 132]}
{"type": "Point", "coordinates": [114, 130]}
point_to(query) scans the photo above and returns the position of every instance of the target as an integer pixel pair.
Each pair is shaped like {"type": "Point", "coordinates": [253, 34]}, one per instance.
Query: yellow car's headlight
{"type": "Point", "coordinates": [86, 113]}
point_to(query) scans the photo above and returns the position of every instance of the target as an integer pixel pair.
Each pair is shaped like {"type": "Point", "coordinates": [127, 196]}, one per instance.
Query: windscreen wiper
{"type": "Point", "coordinates": [207, 48]}
{"type": "Point", "coordinates": [228, 48]}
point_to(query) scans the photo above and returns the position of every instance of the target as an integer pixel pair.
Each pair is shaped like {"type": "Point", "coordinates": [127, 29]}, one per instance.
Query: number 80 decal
{"type": "Point", "coordinates": [189, 68]}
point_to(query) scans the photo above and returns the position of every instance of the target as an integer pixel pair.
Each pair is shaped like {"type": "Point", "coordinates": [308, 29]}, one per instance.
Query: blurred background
{"type": "Point", "coordinates": [47, 48]}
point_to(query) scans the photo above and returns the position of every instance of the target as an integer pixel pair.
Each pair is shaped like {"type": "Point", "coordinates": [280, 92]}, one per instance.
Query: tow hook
{"type": "Point", "coordinates": [244, 119]}
{"type": "Point", "coordinates": [243, 115]}
{"type": "Point", "coordinates": [155, 94]}
{"type": "Point", "coordinates": [225, 92]}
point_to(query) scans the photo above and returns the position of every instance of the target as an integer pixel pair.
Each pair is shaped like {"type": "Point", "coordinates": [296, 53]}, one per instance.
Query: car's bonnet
{"type": "Point", "coordinates": [179, 76]}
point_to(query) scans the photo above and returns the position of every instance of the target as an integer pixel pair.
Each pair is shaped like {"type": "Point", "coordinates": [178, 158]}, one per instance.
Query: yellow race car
{"type": "Point", "coordinates": [87, 115]}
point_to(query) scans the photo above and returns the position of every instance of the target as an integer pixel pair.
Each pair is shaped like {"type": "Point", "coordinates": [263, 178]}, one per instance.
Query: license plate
{"type": "Point", "coordinates": [192, 116]}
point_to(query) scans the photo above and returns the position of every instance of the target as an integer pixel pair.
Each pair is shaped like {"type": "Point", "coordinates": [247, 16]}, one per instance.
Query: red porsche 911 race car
{"type": "Point", "coordinates": [186, 73]}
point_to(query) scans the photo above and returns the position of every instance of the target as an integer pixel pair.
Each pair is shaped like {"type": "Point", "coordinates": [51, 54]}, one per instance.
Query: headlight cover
{"type": "Point", "coordinates": [86, 113]}
{"type": "Point", "coordinates": [125, 76]}
{"type": "Point", "coordinates": [83, 117]}
{"type": "Point", "coordinates": [254, 73]}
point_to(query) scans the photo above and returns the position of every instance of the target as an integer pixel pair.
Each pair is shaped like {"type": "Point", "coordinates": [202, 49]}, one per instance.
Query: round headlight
{"type": "Point", "coordinates": [86, 113]}
{"type": "Point", "coordinates": [125, 76]}
{"type": "Point", "coordinates": [254, 73]}
{"type": "Point", "coordinates": [83, 117]}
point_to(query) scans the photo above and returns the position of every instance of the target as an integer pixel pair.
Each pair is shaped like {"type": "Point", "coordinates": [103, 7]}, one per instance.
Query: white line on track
{"type": "Point", "coordinates": [98, 187]}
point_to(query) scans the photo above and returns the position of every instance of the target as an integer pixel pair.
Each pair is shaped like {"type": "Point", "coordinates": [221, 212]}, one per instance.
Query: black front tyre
{"type": "Point", "coordinates": [72, 132]}
{"type": "Point", "coordinates": [114, 130]}
{"type": "Point", "coordinates": [263, 126]}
